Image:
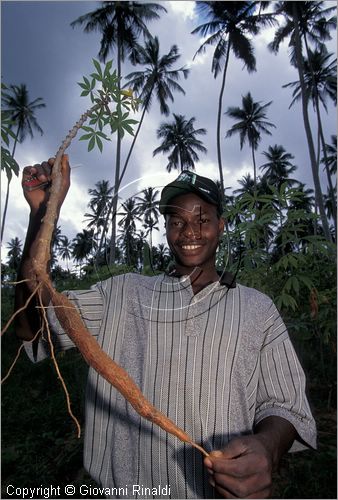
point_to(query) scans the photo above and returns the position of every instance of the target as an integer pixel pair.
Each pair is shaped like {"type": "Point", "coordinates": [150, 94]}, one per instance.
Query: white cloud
{"type": "Point", "coordinates": [74, 208]}
{"type": "Point", "coordinates": [201, 101]}
{"type": "Point", "coordinates": [202, 58]}
{"type": "Point", "coordinates": [17, 213]}
{"type": "Point", "coordinates": [183, 9]}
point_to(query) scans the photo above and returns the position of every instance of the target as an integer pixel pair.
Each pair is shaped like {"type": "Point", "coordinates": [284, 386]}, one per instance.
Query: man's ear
{"type": "Point", "coordinates": [221, 224]}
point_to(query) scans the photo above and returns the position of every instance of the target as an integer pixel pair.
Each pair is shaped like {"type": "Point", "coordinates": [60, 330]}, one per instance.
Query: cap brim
{"type": "Point", "coordinates": [177, 189]}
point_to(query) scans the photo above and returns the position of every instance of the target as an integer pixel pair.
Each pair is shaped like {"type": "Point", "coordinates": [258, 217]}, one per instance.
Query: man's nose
{"type": "Point", "coordinates": [192, 230]}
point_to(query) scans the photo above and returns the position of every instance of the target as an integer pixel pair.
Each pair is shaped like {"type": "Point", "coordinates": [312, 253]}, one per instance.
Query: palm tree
{"type": "Point", "coordinates": [99, 204]}
{"type": "Point", "coordinates": [82, 245]}
{"type": "Point", "coordinates": [57, 237]}
{"type": "Point", "coordinates": [304, 21]}
{"type": "Point", "coordinates": [252, 121]}
{"type": "Point", "coordinates": [301, 201]}
{"type": "Point", "coordinates": [128, 224]}
{"type": "Point", "coordinates": [148, 206]}
{"type": "Point", "coordinates": [247, 184]}
{"type": "Point", "coordinates": [278, 167]}
{"type": "Point", "coordinates": [330, 210]}
{"type": "Point", "coordinates": [231, 26]}
{"type": "Point", "coordinates": [250, 208]}
{"type": "Point", "coordinates": [331, 159]}
{"type": "Point", "coordinates": [15, 251]}
{"type": "Point", "coordinates": [158, 78]}
{"type": "Point", "coordinates": [121, 24]}
{"type": "Point", "coordinates": [130, 215]}
{"type": "Point", "coordinates": [100, 196]}
{"type": "Point", "coordinates": [21, 111]}
{"type": "Point", "coordinates": [249, 192]}
{"type": "Point", "coordinates": [65, 249]}
{"type": "Point", "coordinates": [320, 78]}
{"type": "Point", "coordinates": [330, 162]}
{"type": "Point", "coordinates": [161, 257]}
{"type": "Point", "coordinates": [179, 138]}
{"type": "Point", "coordinates": [304, 199]}
{"type": "Point", "coordinates": [8, 163]}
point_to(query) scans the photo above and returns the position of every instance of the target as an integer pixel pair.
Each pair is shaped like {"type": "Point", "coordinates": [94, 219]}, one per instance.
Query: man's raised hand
{"type": "Point", "coordinates": [36, 182]}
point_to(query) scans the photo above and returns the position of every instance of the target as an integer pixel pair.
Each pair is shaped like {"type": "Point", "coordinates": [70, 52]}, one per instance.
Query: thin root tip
{"type": "Point", "coordinates": [198, 447]}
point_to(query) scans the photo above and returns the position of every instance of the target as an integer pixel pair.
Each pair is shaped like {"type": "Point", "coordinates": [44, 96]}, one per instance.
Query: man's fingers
{"type": "Point", "coordinates": [241, 466]}
{"type": "Point", "coordinates": [27, 172]}
{"type": "Point", "coordinates": [39, 176]}
{"type": "Point", "coordinates": [45, 172]}
{"type": "Point", "coordinates": [36, 176]}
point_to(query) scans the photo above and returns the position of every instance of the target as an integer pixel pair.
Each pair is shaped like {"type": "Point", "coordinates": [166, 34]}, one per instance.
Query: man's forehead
{"type": "Point", "coordinates": [190, 202]}
{"type": "Point", "coordinates": [194, 209]}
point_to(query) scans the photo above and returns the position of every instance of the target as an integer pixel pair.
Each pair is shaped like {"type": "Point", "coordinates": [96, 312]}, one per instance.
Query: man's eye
{"type": "Point", "coordinates": [176, 223]}
{"type": "Point", "coordinates": [204, 220]}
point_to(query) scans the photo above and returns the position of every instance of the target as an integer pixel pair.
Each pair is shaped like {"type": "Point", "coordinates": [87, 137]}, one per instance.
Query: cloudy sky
{"type": "Point", "coordinates": [41, 50]}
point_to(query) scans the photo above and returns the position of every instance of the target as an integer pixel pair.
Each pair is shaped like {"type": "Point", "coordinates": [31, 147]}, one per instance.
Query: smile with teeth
{"type": "Point", "coordinates": [190, 247]}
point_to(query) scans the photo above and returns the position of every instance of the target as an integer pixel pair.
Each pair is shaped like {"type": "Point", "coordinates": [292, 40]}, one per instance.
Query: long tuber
{"type": "Point", "coordinates": [71, 321]}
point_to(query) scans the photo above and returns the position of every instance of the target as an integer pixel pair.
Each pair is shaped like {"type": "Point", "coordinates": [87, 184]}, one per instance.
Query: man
{"type": "Point", "coordinates": [213, 355]}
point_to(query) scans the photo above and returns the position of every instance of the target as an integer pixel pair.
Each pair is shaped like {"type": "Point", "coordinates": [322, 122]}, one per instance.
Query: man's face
{"type": "Point", "coordinates": [193, 230]}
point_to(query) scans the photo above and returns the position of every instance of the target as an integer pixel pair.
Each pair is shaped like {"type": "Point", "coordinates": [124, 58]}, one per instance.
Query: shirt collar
{"type": "Point", "coordinates": [227, 279]}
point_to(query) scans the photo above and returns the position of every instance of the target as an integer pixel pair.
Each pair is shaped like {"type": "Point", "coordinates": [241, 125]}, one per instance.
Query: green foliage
{"type": "Point", "coordinates": [103, 89]}
{"type": "Point", "coordinates": [94, 137]}
{"type": "Point", "coordinates": [8, 163]}
{"type": "Point", "coordinates": [278, 250]}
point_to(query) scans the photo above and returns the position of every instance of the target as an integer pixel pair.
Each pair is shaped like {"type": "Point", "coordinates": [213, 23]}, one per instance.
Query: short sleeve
{"type": "Point", "coordinates": [281, 385]}
{"type": "Point", "coordinates": [89, 303]}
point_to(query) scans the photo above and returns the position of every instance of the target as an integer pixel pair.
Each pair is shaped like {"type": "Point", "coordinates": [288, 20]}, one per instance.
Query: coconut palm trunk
{"type": "Point", "coordinates": [132, 145]}
{"type": "Point", "coordinates": [321, 136]}
{"type": "Point", "coordinates": [118, 179]}
{"type": "Point", "coordinates": [329, 179]}
{"type": "Point", "coordinates": [322, 145]}
{"type": "Point", "coordinates": [312, 154]}
{"type": "Point", "coordinates": [254, 167]}
{"type": "Point", "coordinates": [117, 169]}
{"type": "Point", "coordinates": [121, 24]}
{"type": "Point", "coordinates": [219, 115]}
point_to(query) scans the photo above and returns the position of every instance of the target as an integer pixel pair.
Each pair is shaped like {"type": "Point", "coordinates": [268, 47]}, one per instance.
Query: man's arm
{"type": "Point", "coordinates": [28, 321]}
{"type": "Point", "coordinates": [244, 467]}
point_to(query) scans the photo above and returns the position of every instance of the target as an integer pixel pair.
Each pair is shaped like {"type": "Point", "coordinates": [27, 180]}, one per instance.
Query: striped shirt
{"type": "Point", "coordinates": [216, 363]}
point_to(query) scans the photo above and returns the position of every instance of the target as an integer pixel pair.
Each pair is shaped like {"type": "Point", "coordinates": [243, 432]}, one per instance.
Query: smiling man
{"type": "Point", "coordinates": [192, 208]}
{"type": "Point", "coordinates": [213, 355]}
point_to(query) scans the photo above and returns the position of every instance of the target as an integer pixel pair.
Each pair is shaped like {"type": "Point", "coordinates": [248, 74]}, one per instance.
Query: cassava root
{"type": "Point", "coordinates": [108, 369]}
{"type": "Point", "coordinates": [70, 319]}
